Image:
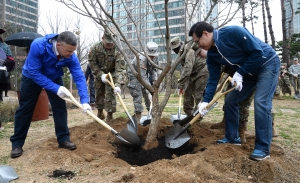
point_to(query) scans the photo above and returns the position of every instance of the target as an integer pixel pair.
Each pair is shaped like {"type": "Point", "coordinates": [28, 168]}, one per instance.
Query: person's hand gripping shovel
{"type": "Point", "coordinates": [177, 134]}
{"type": "Point", "coordinates": [132, 123]}
{"type": "Point", "coordinates": [124, 138]}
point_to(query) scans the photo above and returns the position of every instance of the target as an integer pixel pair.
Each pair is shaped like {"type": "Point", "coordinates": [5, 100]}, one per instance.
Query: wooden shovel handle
{"type": "Point", "coordinates": [217, 95]}
{"type": "Point", "coordinates": [111, 83]}
{"type": "Point", "coordinates": [74, 101]}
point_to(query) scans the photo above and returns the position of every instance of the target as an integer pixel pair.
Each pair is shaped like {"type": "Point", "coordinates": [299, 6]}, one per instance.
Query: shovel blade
{"type": "Point", "coordinates": [175, 119]}
{"type": "Point", "coordinates": [145, 120]}
{"type": "Point", "coordinates": [132, 125]}
{"type": "Point", "coordinates": [127, 138]}
{"type": "Point", "coordinates": [172, 140]}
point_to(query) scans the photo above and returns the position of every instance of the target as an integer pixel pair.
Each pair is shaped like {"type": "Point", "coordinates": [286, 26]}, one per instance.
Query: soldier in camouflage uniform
{"type": "Point", "coordinates": [294, 71]}
{"type": "Point", "coordinates": [193, 76]}
{"type": "Point", "coordinates": [104, 57]}
{"type": "Point", "coordinates": [285, 80]}
{"type": "Point", "coordinates": [138, 91]}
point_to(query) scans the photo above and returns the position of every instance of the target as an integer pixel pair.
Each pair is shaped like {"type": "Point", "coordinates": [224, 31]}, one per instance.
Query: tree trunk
{"type": "Point", "coordinates": [264, 21]}
{"type": "Point", "coordinates": [284, 37]}
{"type": "Point", "coordinates": [270, 23]}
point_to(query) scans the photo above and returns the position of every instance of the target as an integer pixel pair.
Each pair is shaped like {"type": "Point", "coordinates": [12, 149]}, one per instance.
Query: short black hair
{"type": "Point", "coordinates": [199, 27]}
{"type": "Point", "coordinates": [68, 38]}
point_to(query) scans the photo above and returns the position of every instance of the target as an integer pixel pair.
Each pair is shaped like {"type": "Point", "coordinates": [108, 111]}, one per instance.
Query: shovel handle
{"type": "Point", "coordinates": [111, 83]}
{"type": "Point", "coordinates": [218, 95]}
{"type": "Point", "coordinates": [179, 106]}
{"type": "Point", "coordinates": [74, 101]}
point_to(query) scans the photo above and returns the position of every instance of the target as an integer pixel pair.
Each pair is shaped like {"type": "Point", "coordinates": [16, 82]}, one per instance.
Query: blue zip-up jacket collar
{"type": "Point", "coordinates": [237, 48]}
{"type": "Point", "coordinates": [42, 66]}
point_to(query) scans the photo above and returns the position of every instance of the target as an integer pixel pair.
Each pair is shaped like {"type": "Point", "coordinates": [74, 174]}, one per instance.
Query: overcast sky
{"type": "Point", "coordinates": [89, 28]}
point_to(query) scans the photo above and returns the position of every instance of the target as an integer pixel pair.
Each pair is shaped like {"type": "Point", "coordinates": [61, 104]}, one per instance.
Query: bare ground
{"type": "Point", "coordinates": [97, 159]}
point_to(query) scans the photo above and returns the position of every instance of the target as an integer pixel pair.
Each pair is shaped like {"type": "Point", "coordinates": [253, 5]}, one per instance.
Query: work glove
{"type": "Point", "coordinates": [103, 78]}
{"type": "Point", "coordinates": [150, 97]}
{"type": "Point", "coordinates": [63, 92]}
{"type": "Point", "coordinates": [86, 107]}
{"type": "Point", "coordinates": [180, 92]}
{"type": "Point", "coordinates": [238, 79]}
{"type": "Point", "coordinates": [202, 108]}
{"type": "Point", "coordinates": [117, 89]}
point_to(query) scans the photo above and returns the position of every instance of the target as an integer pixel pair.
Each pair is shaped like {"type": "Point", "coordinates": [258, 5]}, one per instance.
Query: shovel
{"type": "Point", "coordinates": [132, 123]}
{"type": "Point", "coordinates": [177, 134]}
{"type": "Point", "coordinates": [124, 138]}
{"type": "Point", "coordinates": [146, 120]}
{"type": "Point", "coordinates": [177, 117]}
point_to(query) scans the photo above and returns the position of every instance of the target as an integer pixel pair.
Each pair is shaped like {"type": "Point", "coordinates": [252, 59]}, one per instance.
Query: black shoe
{"type": "Point", "coordinates": [16, 152]}
{"type": "Point", "coordinates": [67, 145]}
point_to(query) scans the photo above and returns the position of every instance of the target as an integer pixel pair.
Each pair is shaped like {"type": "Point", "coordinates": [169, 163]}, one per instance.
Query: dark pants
{"type": "Point", "coordinates": [92, 90]}
{"type": "Point", "coordinates": [29, 94]}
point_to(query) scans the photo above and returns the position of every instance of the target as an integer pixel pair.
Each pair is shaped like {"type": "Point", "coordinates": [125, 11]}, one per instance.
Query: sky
{"type": "Point", "coordinates": [92, 32]}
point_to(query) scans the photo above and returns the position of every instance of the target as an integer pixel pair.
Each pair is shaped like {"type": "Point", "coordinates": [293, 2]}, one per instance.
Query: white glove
{"type": "Point", "coordinates": [202, 108]}
{"type": "Point", "coordinates": [103, 78]}
{"type": "Point", "coordinates": [62, 92]}
{"type": "Point", "coordinates": [86, 107]}
{"type": "Point", "coordinates": [238, 79]}
{"type": "Point", "coordinates": [295, 75]}
{"type": "Point", "coordinates": [117, 89]}
{"type": "Point", "coordinates": [150, 97]}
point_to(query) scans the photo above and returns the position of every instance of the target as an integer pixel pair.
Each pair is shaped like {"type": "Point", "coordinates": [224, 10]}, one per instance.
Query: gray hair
{"type": "Point", "coordinates": [68, 38]}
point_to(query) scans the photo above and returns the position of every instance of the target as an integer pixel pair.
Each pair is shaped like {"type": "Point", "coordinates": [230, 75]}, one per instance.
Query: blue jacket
{"type": "Point", "coordinates": [43, 67]}
{"type": "Point", "coordinates": [237, 48]}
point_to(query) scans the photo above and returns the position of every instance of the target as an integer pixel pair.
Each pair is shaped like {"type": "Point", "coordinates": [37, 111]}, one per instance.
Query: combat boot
{"type": "Point", "coordinates": [242, 135]}
{"type": "Point", "coordinates": [100, 114]}
{"type": "Point", "coordinates": [138, 116]}
{"type": "Point", "coordinates": [220, 125]}
{"type": "Point", "coordinates": [109, 117]}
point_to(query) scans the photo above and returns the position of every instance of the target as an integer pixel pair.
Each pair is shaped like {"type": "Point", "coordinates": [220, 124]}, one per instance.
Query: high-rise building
{"type": "Point", "coordinates": [21, 13]}
{"type": "Point", "coordinates": [296, 21]}
{"type": "Point", "coordinates": [149, 20]}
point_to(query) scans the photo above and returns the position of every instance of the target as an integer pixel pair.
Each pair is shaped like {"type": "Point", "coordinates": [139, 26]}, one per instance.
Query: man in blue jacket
{"type": "Point", "coordinates": [44, 69]}
{"type": "Point", "coordinates": [256, 67]}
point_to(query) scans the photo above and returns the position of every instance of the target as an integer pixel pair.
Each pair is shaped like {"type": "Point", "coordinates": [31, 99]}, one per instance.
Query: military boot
{"type": "Point", "coordinates": [109, 117]}
{"type": "Point", "coordinates": [100, 114]}
{"type": "Point", "coordinates": [220, 125]}
{"type": "Point", "coordinates": [242, 135]}
{"type": "Point", "coordinates": [138, 116]}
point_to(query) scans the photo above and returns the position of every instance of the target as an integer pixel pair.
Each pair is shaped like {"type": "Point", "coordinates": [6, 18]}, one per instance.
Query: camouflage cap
{"type": "Point", "coordinates": [107, 38]}
{"type": "Point", "coordinates": [175, 42]}
{"type": "Point", "coordinates": [152, 49]}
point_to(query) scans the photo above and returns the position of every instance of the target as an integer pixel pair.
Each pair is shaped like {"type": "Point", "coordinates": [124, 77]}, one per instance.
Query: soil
{"type": "Point", "coordinates": [98, 160]}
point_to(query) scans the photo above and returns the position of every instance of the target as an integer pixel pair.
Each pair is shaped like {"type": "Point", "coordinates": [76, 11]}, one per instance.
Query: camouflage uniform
{"type": "Point", "coordinates": [101, 62]}
{"type": "Point", "coordinates": [284, 80]}
{"type": "Point", "coordinates": [192, 80]}
{"type": "Point", "coordinates": [193, 76]}
{"type": "Point", "coordinates": [138, 91]}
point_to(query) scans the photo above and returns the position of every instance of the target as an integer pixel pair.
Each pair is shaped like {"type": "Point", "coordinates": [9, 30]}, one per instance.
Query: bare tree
{"type": "Point", "coordinates": [264, 20]}
{"type": "Point", "coordinates": [270, 23]}
{"type": "Point", "coordinates": [98, 13]}
{"type": "Point", "coordinates": [285, 57]}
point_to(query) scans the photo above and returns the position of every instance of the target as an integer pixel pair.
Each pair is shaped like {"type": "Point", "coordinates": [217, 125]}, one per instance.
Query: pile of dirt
{"type": "Point", "coordinates": [96, 159]}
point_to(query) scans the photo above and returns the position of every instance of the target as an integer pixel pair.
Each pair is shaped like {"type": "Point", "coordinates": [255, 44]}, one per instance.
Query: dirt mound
{"type": "Point", "coordinates": [96, 159]}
